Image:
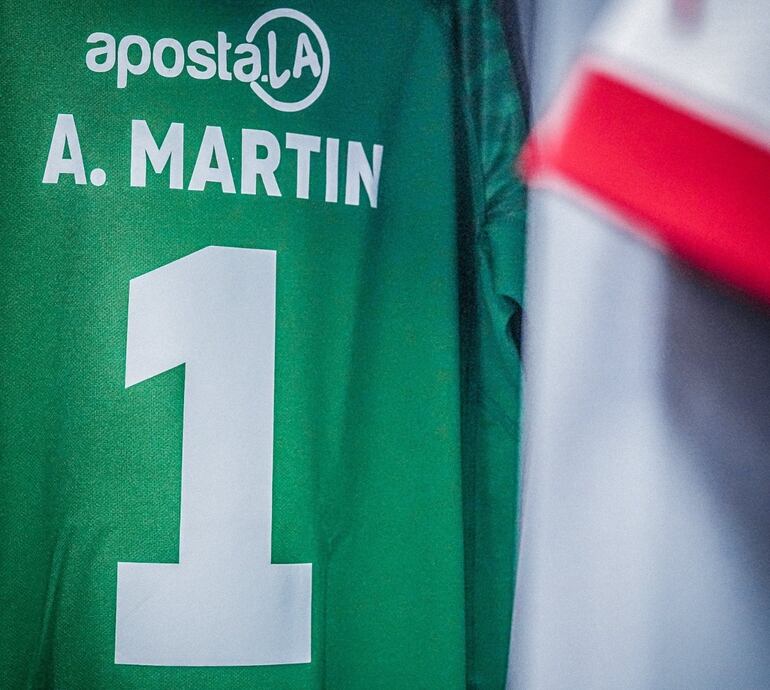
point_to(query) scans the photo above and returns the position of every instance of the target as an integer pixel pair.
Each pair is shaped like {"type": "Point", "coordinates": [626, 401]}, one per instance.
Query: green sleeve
{"type": "Point", "coordinates": [492, 207]}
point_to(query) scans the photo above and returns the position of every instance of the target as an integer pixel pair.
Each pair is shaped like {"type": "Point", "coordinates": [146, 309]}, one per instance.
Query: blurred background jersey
{"type": "Point", "coordinates": [643, 560]}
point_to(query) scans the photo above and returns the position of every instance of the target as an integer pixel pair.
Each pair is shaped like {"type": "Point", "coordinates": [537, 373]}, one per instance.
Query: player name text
{"type": "Point", "coordinates": [162, 154]}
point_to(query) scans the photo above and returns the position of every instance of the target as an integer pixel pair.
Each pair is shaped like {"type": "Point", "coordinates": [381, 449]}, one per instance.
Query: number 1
{"type": "Point", "coordinates": [224, 603]}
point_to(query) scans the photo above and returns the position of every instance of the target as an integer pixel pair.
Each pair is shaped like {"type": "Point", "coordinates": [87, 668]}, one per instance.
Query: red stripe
{"type": "Point", "coordinates": [701, 190]}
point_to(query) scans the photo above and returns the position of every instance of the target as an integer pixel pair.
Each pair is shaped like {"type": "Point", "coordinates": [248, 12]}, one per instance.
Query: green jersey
{"type": "Point", "coordinates": [258, 385]}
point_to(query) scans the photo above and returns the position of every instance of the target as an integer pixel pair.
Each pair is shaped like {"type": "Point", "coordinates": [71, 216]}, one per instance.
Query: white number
{"type": "Point", "coordinates": [224, 603]}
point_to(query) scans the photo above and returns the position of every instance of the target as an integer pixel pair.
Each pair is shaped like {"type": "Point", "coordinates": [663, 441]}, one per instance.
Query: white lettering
{"type": "Point", "coordinates": [65, 134]}
{"type": "Point", "coordinates": [157, 57]}
{"type": "Point", "coordinates": [253, 60]}
{"type": "Point", "coordinates": [276, 80]}
{"type": "Point", "coordinates": [358, 168]}
{"type": "Point", "coordinates": [125, 66]}
{"type": "Point", "coordinates": [135, 55]}
{"type": "Point", "coordinates": [332, 169]}
{"type": "Point", "coordinates": [304, 144]}
{"type": "Point", "coordinates": [144, 147]}
{"type": "Point", "coordinates": [107, 50]}
{"type": "Point", "coordinates": [223, 46]}
{"type": "Point", "coordinates": [265, 167]}
{"type": "Point", "coordinates": [212, 147]}
{"type": "Point", "coordinates": [199, 52]}
{"type": "Point", "coordinates": [305, 56]}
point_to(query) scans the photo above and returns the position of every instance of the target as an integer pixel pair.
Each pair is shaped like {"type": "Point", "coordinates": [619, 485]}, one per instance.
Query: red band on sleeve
{"type": "Point", "coordinates": [701, 190]}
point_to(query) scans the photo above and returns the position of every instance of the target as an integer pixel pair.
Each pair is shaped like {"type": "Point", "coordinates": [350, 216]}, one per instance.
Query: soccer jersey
{"type": "Point", "coordinates": [643, 559]}
{"type": "Point", "coordinates": [260, 272]}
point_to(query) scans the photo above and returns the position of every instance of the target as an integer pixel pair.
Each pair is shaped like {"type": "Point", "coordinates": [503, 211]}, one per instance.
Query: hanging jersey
{"type": "Point", "coordinates": [643, 558]}
{"type": "Point", "coordinates": [258, 416]}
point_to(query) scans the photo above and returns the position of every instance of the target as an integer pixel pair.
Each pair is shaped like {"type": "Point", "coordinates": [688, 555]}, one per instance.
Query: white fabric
{"type": "Point", "coordinates": [644, 557]}
{"type": "Point", "coordinates": [715, 59]}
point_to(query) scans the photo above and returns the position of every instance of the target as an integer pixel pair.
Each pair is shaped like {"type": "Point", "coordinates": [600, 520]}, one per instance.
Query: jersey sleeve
{"type": "Point", "coordinates": [496, 124]}
{"type": "Point", "coordinates": [491, 253]}
{"type": "Point", "coordinates": [664, 123]}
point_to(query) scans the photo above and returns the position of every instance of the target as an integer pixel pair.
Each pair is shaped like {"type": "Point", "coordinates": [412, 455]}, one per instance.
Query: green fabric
{"type": "Point", "coordinates": [396, 401]}
{"type": "Point", "coordinates": [492, 286]}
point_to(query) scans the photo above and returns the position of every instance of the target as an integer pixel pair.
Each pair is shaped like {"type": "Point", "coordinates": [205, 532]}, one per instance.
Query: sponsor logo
{"type": "Point", "coordinates": [284, 59]}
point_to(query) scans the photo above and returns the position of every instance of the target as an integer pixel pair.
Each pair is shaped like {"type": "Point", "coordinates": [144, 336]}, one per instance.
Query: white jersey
{"type": "Point", "coordinates": [645, 519]}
